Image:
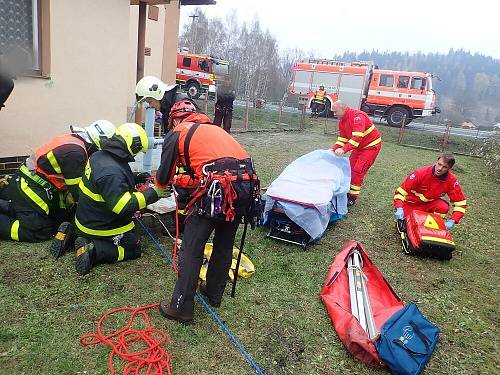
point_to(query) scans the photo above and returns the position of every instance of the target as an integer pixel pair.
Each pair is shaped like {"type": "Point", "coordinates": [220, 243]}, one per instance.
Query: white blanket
{"type": "Point", "coordinates": [311, 188]}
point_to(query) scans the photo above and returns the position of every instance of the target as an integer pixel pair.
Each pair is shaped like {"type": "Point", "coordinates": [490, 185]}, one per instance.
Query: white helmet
{"type": "Point", "coordinates": [95, 132]}
{"type": "Point", "coordinates": [151, 87]}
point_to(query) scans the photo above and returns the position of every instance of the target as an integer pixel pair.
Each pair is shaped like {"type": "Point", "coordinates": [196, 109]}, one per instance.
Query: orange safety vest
{"type": "Point", "coordinates": [48, 151]}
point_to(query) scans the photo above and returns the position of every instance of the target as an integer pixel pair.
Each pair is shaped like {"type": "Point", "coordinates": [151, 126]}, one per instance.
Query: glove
{"type": "Point", "coordinates": [449, 224]}
{"type": "Point", "coordinates": [141, 177]}
{"type": "Point", "coordinates": [339, 152]}
{"type": "Point", "coordinates": [400, 215]}
{"type": "Point", "coordinates": [161, 193]}
{"type": "Point", "coordinates": [4, 181]}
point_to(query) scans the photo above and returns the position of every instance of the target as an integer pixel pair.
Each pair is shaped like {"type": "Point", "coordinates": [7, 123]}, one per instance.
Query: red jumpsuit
{"type": "Point", "coordinates": [422, 190]}
{"type": "Point", "coordinates": [357, 133]}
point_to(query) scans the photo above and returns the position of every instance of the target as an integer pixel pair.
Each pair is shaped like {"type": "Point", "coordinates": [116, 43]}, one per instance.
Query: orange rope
{"type": "Point", "coordinates": [154, 359]}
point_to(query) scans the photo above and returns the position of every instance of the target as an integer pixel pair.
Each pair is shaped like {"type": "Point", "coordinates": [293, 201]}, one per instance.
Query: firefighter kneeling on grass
{"type": "Point", "coordinates": [220, 183]}
{"type": "Point", "coordinates": [43, 190]}
{"type": "Point", "coordinates": [108, 201]}
{"type": "Point", "coordinates": [424, 188]}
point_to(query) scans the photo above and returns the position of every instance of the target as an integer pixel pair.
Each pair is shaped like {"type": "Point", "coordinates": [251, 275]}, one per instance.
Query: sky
{"type": "Point", "coordinates": [330, 27]}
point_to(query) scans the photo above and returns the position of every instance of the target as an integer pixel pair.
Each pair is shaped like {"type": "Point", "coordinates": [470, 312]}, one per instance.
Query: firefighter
{"type": "Point", "coordinates": [108, 201]}
{"type": "Point", "coordinates": [224, 105]}
{"type": "Point", "coordinates": [357, 134]}
{"type": "Point", "coordinates": [318, 101]}
{"type": "Point", "coordinates": [42, 190]}
{"type": "Point", "coordinates": [219, 186]}
{"type": "Point", "coordinates": [424, 188]}
{"type": "Point", "coordinates": [158, 95]}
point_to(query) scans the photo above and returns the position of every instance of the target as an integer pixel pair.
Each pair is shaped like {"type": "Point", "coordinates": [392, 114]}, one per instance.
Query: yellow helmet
{"type": "Point", "coordinates": [134, 136]}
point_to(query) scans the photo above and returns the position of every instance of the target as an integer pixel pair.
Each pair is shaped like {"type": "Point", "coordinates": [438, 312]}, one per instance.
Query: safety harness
{"type": "Point", "coordinates": [215, 194]}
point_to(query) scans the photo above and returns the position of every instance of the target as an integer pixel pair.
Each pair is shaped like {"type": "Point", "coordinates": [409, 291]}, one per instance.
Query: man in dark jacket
{"type": "Point", "coordinates": [108, 201]}
{"type": "Point", "coordinates": [224, 105]}
{"type": "Point", "coordinates": [218, 186]}
{"type": "Point", "coordinates": [36, 200]}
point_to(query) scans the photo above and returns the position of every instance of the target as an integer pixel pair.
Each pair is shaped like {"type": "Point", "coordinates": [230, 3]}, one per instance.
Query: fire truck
{"type": "Point", "coordinates": [197, 74]}
{"type": "Point", "coordinates": [391, 94]}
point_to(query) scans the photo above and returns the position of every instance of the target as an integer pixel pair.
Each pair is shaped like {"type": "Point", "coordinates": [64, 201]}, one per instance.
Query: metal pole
{"type": "Point", "coordinates": [147, 161]}
{"type": "Point", "coordinates": [242, 243]}
{"type": "Point", "coordinates": [446, 136]}
{"type": "Point", "coordinates": [279, 114]}
{"type": "Point", "coordinates": [402, 130]}
{"type": "Point", "coordinates": [141, 45]}
{"type": "Point", "coordinates": [246, 115]}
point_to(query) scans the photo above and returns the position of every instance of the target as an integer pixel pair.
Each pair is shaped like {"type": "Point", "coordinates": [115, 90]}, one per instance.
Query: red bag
{"type": "Point", "coordinates": [428, 236]}
{"type": "Point", "coordinates": [335, 296]}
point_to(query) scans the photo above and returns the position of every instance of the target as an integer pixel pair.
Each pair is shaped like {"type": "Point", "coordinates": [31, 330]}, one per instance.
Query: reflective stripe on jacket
{"type": "Point", "coordinates": [356, 130]}
{"type": "Point", "coordinates": [423, 186]}
{"type": "Point", "coordinates": [108, 198]}
{"type": "Point", "coordinates": [61, 161]}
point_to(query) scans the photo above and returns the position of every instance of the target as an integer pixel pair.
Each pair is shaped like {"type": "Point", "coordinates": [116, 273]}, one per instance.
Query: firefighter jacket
{"type": "Point", "coordinates": [356, 131]}
{"type": "Point", "coordinates": [206, 144]}
{"type": "Point", "coordinates": [423, 186]}
{"type": "Point", "coordinates": [60, 161]}
{"type": "Point", "coordinates": [108, 198]}
{"type": "Point", "coordinates": [319, 96]}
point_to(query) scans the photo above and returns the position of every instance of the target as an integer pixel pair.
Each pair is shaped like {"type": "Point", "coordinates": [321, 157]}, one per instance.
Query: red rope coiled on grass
{"type": "Point", "coordinates": [154, 360]}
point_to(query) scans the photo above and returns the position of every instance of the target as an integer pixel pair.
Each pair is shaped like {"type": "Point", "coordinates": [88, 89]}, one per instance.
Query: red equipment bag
{"type": "Point", "coordinates": [427, 236]}
{"type": "Point", "coordinates": [335, 295]}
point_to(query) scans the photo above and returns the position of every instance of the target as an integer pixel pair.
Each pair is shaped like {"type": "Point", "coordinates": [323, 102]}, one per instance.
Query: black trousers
{"type": "Point", "coordinates": [196, 234]}
{"type": "Point", "coordinates": [24, 221]}
{"type": "Point", "coordinates": [122, 247]}
{"type": "Point", "coordinates": [224, 116]}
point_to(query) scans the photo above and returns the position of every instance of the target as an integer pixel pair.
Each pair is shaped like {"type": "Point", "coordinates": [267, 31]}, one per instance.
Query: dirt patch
{"type": "Point", "coordinates": [286, 348]}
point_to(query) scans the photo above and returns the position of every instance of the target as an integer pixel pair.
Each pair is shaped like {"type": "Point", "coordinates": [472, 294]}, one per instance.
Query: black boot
{"type": "Point", "coordinates": [173, 314]}
{"type": "Point", "coordinates": [351, 201]}
{"type": "Point", "coordinates": [84, 255]}
{"type": "Point", "coordinates": [63, 240]}
{"type": "Point", "coordinates": [210, 300]}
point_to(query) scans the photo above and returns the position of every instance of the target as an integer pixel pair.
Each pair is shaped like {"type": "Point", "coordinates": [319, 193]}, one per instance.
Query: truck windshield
{"type": "Point", "coordinates": [418, 83]}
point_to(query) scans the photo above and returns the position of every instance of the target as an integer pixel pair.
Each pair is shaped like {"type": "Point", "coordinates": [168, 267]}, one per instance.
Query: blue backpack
{"type": "Point", "coordinates": [407, 341]}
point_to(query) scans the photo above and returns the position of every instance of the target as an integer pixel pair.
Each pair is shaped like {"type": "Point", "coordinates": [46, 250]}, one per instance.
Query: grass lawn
{"type": "Point", "coordinates": [277, 314]}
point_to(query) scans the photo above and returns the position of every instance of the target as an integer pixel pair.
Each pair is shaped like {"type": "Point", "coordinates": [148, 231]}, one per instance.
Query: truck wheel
{"type": "Point", "coordinates": [395, 116]}
{"type": "Point", "coordinates": [193, 90]}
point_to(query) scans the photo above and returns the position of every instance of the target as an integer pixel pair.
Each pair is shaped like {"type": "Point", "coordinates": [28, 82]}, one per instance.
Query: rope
{"type": "Point", "coordinates": [206, 306]}
{"type": "Point", "coordinates": [154, 359]}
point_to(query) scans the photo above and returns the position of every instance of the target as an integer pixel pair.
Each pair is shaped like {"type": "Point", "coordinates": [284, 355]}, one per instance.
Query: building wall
{"type": "Point", "coordinates": [162, 37]}
{"type": "Point", "coordinates": [89, 55]}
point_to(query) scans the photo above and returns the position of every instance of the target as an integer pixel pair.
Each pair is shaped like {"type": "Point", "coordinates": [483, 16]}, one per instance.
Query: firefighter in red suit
{"type": "Point", "coordinates": [424, 188]}
{"type": "Point", "coordinates": [357, 134]}
{"type": "Point", "coordinates": [215, 191]}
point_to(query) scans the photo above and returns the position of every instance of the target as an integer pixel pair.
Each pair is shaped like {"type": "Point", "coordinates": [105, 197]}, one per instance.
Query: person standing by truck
{"type": "Point", "coordinates": [224, 105]}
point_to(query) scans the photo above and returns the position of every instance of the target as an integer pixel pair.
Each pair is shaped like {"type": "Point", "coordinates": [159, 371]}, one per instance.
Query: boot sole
{"type": "Point", "coordinates": [83, 264]}
{"type": "Point", "coordinates": [163, 311]}
{"type": "Point", "coordinates": [60, 246]}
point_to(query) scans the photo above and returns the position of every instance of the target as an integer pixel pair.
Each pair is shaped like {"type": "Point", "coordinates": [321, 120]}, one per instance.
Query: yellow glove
{"type": "Point", "coordinates": [4, 181]}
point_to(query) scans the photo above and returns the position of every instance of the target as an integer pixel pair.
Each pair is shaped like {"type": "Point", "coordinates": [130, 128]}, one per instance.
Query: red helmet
{"type": "Point", "coordinates": [180, 109]}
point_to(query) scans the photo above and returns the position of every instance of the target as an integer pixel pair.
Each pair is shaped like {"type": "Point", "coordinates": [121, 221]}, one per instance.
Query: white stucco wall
{"type": "Point", "coordinates": [89, 73]}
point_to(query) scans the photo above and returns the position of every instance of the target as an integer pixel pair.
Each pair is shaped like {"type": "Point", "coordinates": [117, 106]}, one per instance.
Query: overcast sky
{"type": "Point", "coordinates": [329, 27]}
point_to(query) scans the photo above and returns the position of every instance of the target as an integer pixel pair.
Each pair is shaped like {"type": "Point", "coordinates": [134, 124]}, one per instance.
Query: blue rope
{"type": "Point", "coordinates": [204, 303]}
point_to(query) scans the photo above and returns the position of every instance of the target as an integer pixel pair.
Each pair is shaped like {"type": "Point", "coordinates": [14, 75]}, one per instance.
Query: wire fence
{"type": "Point", "coordinates": [258, 115]}
{"type": "Point", "coordinates": [443, 138]}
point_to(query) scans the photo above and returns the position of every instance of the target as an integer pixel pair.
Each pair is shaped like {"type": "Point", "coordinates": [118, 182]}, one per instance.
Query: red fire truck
{"type": "Point", "coordinates": [390, 94]}
{"type": "Point", "coordinates": [197, 74]}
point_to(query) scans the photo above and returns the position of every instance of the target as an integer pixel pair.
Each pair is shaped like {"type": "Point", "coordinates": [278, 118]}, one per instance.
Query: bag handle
{"type": "Point", "coordinates": [420, 335]}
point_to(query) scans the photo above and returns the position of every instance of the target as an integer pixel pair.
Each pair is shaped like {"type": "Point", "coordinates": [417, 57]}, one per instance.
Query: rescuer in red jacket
{"type": "Point", "coordinates": [357, 134]}
{"type": "Point", "coordinates": [424, 188]}
{"type": "Point", "coordinates": [35, 201]}
{"type": "Point", "coordinates": [216, 191]}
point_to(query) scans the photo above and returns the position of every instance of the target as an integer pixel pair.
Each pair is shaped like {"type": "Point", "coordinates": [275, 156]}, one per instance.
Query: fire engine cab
{"type": "Point", "coordinates": [391, 94]}
{"type": "Point", "coordinates": [197, 74]}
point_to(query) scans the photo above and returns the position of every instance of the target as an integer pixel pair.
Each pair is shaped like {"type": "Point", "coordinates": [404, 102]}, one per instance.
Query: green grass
{"type": "Point", "coordinates": [277, 314]}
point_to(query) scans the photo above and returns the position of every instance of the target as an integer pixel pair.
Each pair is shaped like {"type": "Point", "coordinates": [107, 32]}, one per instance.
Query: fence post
{"type": "Point", "coordinates": [245, 124]}
{"type": "Point", "coordinates": [302, 118]}
{"type": "Point", "coordinates": [402, 130]}
{"type": "Point", "coordinates": [446, 136]}
{"type": "Point", "coordinates": [279, 114]}
{"type": "Point", "coordinates": [206, 102]}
